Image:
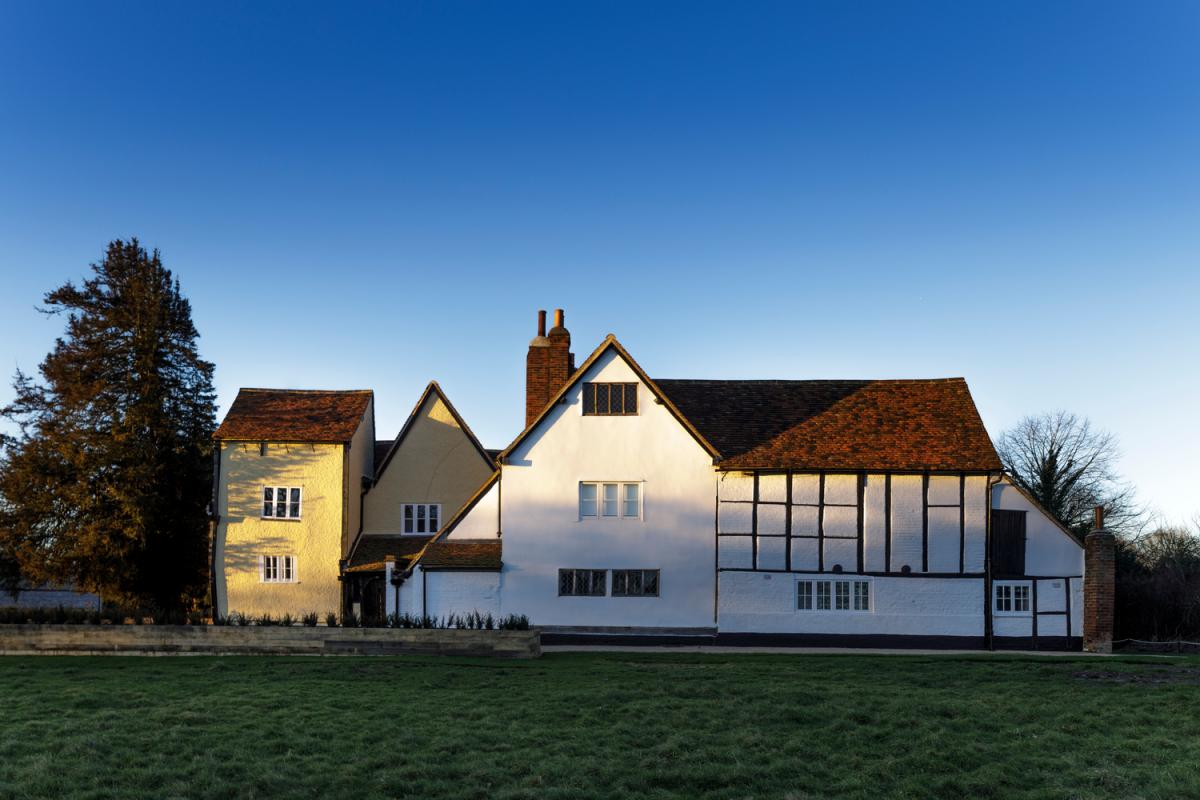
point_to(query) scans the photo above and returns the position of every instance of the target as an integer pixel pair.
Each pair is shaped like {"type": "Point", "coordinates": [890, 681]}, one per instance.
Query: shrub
{"type": "Point", "coordinates": [287, 621]}
{"type": "Point", "coordinates": [309, 620]}
{"type": "Point", "coordinates": [265, 620]}
{"type": "Point", "coordinates": [350, 620]}
{"type": "Point", "coordinates": [513, 622]}
{"type": "Point", "coordinates": [331, 619]}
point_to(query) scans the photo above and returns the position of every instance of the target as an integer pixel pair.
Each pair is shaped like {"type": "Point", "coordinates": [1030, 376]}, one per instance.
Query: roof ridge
{"type": "Point", "coordinates": [305, 391]}
{"type": "Point", "coordinates": [951, 379]}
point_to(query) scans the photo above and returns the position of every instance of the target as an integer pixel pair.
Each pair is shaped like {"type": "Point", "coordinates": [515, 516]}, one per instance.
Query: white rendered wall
{"type": "Point", "coordinates": [755, 602]}
{"type": "Point", "coordinates": [1048, 549]}
{"type": "Point", "coordinates": [483, 520]}
{"type": "Point", "coordinates": [543, 531]}
{"type": "Point", "coordinates": [461, 592]}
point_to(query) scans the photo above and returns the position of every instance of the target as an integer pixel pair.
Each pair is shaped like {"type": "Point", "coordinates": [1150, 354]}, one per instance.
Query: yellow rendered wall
{"type": "Point", "coordinates": [436, 463]}
{"type": "Point", "coordinates": [315, 539]}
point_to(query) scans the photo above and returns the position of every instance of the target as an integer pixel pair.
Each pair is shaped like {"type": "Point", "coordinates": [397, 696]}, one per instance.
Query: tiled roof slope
{"type": "Point", "coordinates": [371, 552]}
{"type": "Point", "coordinates": [294, 415]}
{"type": "Point", "coordinates": [848, 425]}
{"type": "Point", "coordinates": [463, 554]}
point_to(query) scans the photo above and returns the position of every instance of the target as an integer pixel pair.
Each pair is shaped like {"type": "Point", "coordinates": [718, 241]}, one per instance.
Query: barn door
{"type": "Point", "coordinates": [1008, 542]}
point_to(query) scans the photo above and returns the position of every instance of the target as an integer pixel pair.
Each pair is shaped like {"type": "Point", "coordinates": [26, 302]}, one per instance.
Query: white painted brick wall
{"type": "Point", "coordinates": [906, 522]}
{"type": "Point", "coordinates": [806, 488]}
{"type": "Point", "coordinates": [943, 490]}
{"type": "Point", "coordinates": [841, 552]}
{"type": "Point", "coordinates": [772, 488]}
{"type": "Point", "coordinates": [804, 554]}
{"type": "Point", "coordinates": [841, 489]}
{"type": "Point", "coordinates": [735, 552]}
{"type": "Point", "coordinates": [976, 523]}
{"type": "Point", "coordinates": [735, 518]}
{"type": "Point", "coordinates": [804, 520]}
{"type": "Point", "coordinates": [772, 552]}
{"type": "Point", "coordinates": [841, 521]}
{"type": "Point", "coordinates": [874, 524]}
{"type": "Point", "coordinates": [943, 539]}
{"type": "Point", "coordinates": [772, 520]}
{"type": "Point", "coordinates": [736, 486]}
{"type": "Point", "coordinates": [762, 602]}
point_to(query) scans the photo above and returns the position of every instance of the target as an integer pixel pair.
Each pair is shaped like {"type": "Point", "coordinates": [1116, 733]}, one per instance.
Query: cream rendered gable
{"type": "Point", "coordinates": [436, 461]}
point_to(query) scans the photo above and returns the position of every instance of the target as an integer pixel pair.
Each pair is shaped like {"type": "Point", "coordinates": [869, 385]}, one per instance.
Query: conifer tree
{"type": "Point", "coordinates": [106, 484]}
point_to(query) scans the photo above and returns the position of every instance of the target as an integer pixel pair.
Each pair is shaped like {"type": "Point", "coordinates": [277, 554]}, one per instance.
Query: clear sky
{"type": "Point", "coordinates": [374, 195]}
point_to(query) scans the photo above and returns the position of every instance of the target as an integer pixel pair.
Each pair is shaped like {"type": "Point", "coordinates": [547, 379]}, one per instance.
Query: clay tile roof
{"type": "Point", "coordinates": [849, 424]}
{"type": "Point", "coordinates": [294, 415]}
{"type": "Point", "coordinates": [462, 554]}
{"type": "Point", "coordinates": [371, 552]}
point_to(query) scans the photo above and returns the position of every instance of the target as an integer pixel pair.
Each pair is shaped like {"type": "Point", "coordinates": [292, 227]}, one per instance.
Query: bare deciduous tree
{"type": "Point", "coordinates": [1070, 468]}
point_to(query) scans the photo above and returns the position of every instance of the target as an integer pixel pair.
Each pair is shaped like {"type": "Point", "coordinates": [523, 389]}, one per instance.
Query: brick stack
{"type": "Point", "coordinates": [548, 365]}
{"type": "Point", "coordinates": [1099, 588]}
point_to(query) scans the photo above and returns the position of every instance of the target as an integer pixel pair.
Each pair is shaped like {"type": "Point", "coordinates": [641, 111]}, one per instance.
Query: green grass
{"type": "Point", "coordinates": [575, 725]}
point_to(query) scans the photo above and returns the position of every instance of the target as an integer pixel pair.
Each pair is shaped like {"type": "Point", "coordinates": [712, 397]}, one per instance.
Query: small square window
{"type": "Point", "coordinates": [804, 595]}
{"type": "Point", "coordinates": [420, 518]}
{"type": "Point", "coordinates": [281, 502]}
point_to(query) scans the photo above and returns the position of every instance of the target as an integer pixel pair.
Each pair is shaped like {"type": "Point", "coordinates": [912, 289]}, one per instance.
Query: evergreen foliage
{"type": "Point", "coordinates": [106, 484]}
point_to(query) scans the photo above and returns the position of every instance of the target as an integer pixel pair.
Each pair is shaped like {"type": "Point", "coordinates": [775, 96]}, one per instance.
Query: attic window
{"type": "Point", "coordinates": [610, 399]}
{"type": "Point", "coordinates": [422, 517]}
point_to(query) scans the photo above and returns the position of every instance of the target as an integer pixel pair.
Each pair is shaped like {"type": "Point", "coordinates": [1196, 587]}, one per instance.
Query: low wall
{"type": "Point", "coordinates": [254, 640]}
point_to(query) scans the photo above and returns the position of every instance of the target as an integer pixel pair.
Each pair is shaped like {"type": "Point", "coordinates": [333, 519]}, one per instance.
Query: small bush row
{"type": "Point", "coordinates": [114, 615]}
{"type": "Point", "coordinates": [470, 621]}
{"type": "Point", "coordinates": [141, 616]}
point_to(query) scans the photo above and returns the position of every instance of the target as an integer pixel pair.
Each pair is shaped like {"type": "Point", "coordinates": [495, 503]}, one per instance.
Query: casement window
{"type": "Point", "coordinates": [421, 517]}
{"type": "Point", "coordinates": [281, 502]}
{"type": "Point", "coordinates": [277, 569]}
{"type": "Point", "coordinates": [833, 595]}
{"type": "Point", "coordinates": [612, 500]}
{"type": "Point", "coordinates": [1011, 598]}
{"type": "Point", "coordinates": [635, 583]}
{"type": "Point", "coordinates": [582, 582]}
{"type": "Point", "coordinates": [610, 399]}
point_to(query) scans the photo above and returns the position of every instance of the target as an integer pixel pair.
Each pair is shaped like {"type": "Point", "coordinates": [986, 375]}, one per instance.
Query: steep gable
{"type": "Point", "coordinates": [435, 459]}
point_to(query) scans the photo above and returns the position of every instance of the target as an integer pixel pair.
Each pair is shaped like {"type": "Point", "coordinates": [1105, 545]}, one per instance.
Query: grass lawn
{"type": "Point", "coordinates": [582, 725]}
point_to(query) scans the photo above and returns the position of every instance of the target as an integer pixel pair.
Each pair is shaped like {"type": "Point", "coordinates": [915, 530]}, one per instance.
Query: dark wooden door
{"type": "Point", "coordinates": [373, 611]}
{"type": "Point", "coordinates": [1008, 542]}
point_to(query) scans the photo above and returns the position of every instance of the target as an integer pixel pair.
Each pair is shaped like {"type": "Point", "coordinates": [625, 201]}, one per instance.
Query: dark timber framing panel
{"type": "Point", "coordinates": [925, 522]}
{"type": "Point", "coordinates": [821, 536]}
{"type": "Point", "coordinates": [821, 522]}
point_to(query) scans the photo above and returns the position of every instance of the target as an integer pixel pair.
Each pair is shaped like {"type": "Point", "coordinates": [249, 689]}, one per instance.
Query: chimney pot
{"type": "Point", "coordinates": [542, 322]}
{"type": "Point", "coordinates": [1099, 518]}
{"type": "Point", "coordinates": [558, 318]}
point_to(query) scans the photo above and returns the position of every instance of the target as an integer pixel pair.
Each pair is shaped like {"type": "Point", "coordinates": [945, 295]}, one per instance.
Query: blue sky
{"type": "Point", "coordinates": [381, 194]}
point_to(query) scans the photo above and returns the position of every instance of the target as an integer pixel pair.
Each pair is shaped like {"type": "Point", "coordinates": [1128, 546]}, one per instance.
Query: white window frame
{"type": "Point", "coordinates": [414, 532]}
{"type": "Point", "coordinates": [622, 488]}
{"type": "Point", "coordinates": [1008, 590]}
{"type": "Point", "coordinates": [818, 589]}
{"type": "Point", "coordinates": [279, 566]}
{"type": "Point", "coordinates": [262, 501]}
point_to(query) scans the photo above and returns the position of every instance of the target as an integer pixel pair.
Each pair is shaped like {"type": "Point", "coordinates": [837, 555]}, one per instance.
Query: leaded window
{"type": "Point", "coordinates": [582, 582]}
{"type": "Point", "coordinates": [635, 583]}
{"type": "Point", "coordinates": [610, 399]}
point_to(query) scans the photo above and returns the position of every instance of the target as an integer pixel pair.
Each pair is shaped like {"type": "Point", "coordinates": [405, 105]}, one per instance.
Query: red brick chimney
{"type": "Point", "coordinates": [548, 365]}
{"type": "Point", "coordinates": [1099, 587]}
